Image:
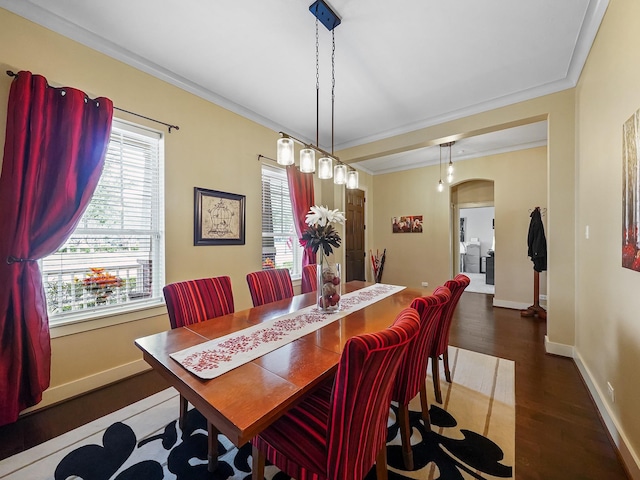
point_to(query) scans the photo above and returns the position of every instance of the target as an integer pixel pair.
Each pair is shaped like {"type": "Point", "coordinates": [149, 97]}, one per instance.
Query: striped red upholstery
{"type": "Point", "coordinates": [457, 287]}
{"type": "Point", "coordinates": [309, 278]}
{"type": "Point", "coordinates": [411, 377]}
{"type": "Point", "coordinates": [338, 430]}
{"type": "Point", "coordinates": [268, 286]}
{"type": "Point", "coordinates": [194, 301]}
{"type": "Point", "coordinates": [412, 372]}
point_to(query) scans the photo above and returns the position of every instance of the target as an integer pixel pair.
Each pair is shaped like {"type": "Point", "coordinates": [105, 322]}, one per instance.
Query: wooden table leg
{"type": "Point", "coordinates": [212, 448]}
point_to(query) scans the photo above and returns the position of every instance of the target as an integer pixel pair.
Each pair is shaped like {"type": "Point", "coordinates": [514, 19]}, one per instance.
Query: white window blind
{"type": "Point", "coordinates": [115, 257]}
{"type": "Point", "coordinates": [280, 245]}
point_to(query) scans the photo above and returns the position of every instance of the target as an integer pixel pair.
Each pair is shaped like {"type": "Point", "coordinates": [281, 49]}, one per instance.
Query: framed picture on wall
{"type": "Point", "coordinates": [219, 218]}
{"type": "Point", "coordinates": [407, 224]}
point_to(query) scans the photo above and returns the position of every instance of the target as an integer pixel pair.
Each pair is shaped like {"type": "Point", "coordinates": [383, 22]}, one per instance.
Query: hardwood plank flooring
{"type": "Point", "coordinates": [559, 434]}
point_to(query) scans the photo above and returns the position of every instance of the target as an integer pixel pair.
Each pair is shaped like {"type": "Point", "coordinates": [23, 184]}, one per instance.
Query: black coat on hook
{"type": "Point", "coordinates": [537, 242]}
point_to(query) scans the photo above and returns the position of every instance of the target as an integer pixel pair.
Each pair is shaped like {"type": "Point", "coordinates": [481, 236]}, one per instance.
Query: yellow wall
{"type": "Point", "coordinates": [608, 326]}
{"type": "Point", "coordinates": [475, 191]}
{"type": "Point", "coordinates": [591, 298]}
{"type": "Point", "coordinates": [559, 110]}
{"type": "Point", "coordinates": [213, 149]}
{"type": "Point", "coordinates": [519, 178]}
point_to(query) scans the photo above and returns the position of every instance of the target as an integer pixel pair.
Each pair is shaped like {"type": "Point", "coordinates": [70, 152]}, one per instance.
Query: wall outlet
{"type": "Point", "coordinates": [612, 395]}
{"type": "Point", "coordinates": [543, 297]}
{"type": "Point", "coordinates": [586, 232]}
{"type": "Point", "coordinates": [425, 284]}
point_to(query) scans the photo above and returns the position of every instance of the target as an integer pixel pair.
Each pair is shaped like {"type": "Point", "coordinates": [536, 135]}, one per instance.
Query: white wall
{"type": "Point", "coordinates": [479, 225]}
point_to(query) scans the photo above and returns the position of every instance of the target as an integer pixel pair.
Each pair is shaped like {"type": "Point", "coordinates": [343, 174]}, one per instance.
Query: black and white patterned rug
{"type": "Point", "coordinates": [472, 436]}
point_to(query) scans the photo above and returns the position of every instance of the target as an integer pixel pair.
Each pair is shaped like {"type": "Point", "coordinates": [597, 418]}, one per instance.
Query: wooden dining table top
{"type": "Point", "coordinates": [244, 401]}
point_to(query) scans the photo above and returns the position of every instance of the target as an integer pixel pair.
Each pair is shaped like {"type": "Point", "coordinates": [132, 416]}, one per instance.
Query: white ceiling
{"type": "Point", "coordinates": [399, 65]}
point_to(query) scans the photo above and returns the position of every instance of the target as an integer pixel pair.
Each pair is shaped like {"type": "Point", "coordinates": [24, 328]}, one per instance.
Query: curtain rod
{"type": "Point", "coordinates": [168, 125]}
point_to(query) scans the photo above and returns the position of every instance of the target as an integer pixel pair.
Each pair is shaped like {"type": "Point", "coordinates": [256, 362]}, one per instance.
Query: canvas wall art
{"type": "Point", "coordinates": [630, 194]}
{"type": "Point", "coordinates": [407, 224]}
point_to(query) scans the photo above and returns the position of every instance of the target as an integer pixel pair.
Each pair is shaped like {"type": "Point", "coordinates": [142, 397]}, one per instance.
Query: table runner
{"type": "Point", "coordinates": [220, 355]}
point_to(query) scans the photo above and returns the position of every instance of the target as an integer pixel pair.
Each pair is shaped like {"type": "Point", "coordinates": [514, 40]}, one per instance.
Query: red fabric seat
{"type": "Point", "coordinates": [339, 430]}
{"type": "Point", "coordinates": [309, 278]}
{"type": "Point", "coordinates": [194, 301]}
{"type": "Point", "coordinates": [441, 346]}
{"type": "Point", "coordinates": [268, 286]}
{"type": "Point", "coordinates": [411, 377]}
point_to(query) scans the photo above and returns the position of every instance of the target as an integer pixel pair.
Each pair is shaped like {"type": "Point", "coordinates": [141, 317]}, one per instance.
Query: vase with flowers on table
{"type": "Point", "coordinates": [321, 237]}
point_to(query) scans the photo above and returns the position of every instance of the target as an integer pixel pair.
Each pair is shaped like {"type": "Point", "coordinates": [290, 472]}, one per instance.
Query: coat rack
{"type": "Point", "coordinates": [537, 244]}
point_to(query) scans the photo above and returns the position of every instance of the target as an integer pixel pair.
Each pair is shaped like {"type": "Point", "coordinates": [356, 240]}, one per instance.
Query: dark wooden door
{"type": "Point", "coordinates": [354, 227]}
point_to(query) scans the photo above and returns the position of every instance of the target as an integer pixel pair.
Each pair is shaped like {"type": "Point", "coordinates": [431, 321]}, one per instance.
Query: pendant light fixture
{"type": "Point", "coordinates": [352, 179]}
{"type": "Point", "coordinates": [450, 167]}
{"type": "Point", "coordinates": [341, 173]}
{"type": "Point", "coordinates": [440, 184]}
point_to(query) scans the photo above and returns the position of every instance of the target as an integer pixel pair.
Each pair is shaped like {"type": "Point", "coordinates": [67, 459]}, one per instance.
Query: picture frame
{"type": "Point", "coordinates": [407, 224]}
{"type": "Point", "coordinates": [219, 218]}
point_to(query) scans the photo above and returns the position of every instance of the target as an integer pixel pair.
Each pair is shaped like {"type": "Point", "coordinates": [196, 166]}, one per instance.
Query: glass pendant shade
{"type": "Point", "coordinates": [450, 169]}
{"type": "Point", "coordinates": [352, 180]}
{"type": "Point", "coordinates": [450, 178]}
{"type": "Point", "coordinates": [285, 151]}
{"type": "Point", "coordinates": [340, 174]}
{"type": "Point", "coordinates": [307, 160]}
{"type": "Point", "coordinates": [325, 168]}
{"type": "Point", "coordinates": [440, 186]}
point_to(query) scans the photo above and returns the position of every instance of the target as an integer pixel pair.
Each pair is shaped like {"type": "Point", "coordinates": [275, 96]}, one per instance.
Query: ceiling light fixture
{"type": "Point", "coordinates": [440, 184]}
{"type": "Point", "coordinates": [450, 167]}
{"type": "Point", "coordinates": [341, 173]}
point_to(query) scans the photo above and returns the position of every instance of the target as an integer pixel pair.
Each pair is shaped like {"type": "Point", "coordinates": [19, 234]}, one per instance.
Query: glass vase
{"type": "Point", "coordinates": [329, 286]}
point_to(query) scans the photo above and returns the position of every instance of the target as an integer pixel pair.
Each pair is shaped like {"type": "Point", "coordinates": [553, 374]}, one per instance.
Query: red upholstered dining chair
{"type": "Point", "coordinates": [309, 278]}
{"type": "Point", "coordinates": [411, 378]}
{"type": "Point", "coordinates": [441, 347]}
{"type": "Point", "coordinates": [339, 430]}
{"type": "Point", "coordinates": [267, 286]}
{"type": "Point", "coordinates": [195, 301]}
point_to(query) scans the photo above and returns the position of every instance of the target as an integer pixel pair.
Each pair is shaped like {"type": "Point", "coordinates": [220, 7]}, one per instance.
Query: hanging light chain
{"type": "Point", "coordinates": [333, 82]}
{"type": "Point", "coordinates": [317, 88]}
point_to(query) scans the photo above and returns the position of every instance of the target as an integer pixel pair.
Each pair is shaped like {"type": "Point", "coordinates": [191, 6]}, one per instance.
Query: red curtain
{"type": "Point", "coordinates": [54, 150]}
{"type": "Point", "coordinates": [302, 199]}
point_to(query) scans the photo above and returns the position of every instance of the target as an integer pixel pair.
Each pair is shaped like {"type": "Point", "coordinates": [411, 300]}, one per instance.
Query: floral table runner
{"type": "Point", "coordinates": [220, 355]}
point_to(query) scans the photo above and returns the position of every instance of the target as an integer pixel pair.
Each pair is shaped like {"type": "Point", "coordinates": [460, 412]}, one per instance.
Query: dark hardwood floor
{"type": "Point", "coordinates": [559, 434]}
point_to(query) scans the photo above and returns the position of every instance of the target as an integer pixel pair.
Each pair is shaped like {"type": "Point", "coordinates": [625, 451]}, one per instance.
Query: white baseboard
{"type": "Point", "coordinates": [629, 457]}
{"type": "Point", "coordinates": [83, 385]}
{"type": "Point", "coordinates": [510, 304]}
{"type": "Point", "coordinates": [558, 348]}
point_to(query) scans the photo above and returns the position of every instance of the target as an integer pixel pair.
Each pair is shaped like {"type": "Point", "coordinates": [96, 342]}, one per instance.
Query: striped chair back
{"type": "Point", "coordinates": [412, 372]}
{"type": "Point", "coordinates": [194, 301]}
{"type": "Point", "coordinates": [309, 278]}
{"type": "Point", "coordinates": [268, 286]}
{"type": "Point", "coordinates": [359, 409]}
{"type": "Point", "coordinates": [457, 287]}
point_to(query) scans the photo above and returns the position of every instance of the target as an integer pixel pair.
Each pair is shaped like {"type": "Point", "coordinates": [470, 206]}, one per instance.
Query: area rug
{"type": "Point", "coordinates": [472, 436]}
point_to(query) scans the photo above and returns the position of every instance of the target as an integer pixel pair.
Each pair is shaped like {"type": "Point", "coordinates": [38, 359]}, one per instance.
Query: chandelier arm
{"type": "Point", "coordinates": [313, 147]}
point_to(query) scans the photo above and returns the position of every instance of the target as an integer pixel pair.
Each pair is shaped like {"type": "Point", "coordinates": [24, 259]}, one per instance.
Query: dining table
{"type": "Point", "coordinates": [244, 401]}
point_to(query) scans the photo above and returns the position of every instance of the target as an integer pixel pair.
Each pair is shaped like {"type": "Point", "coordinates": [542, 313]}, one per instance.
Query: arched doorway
{"type": "Point", "coordinates": [473, 233]}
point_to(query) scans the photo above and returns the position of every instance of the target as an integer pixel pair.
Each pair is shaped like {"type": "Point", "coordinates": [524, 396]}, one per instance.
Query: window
{"type": "Point", "coordinates": [114, 260]}
{"type": "Point", "coordinates": [280, 245]}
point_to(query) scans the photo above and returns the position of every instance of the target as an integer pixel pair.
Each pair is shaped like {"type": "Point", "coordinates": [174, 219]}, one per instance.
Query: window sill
{"type": "Point", "coordinates": [72, 325]}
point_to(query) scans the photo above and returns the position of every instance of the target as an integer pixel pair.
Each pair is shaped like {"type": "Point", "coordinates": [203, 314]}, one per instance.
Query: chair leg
{"type": "Point", "coordinates": [257, 467]}
{"type": "Point", "coordinates": [184, 405]}
{"type": "Point", "coordinates": [445, 359]}
{"type": "Point", "coordinates": [212, 447]}
{"type": "Point", "coordinates": [405, 436]}
{"type": "Point", "coordinates": [381, 465]}
{"type": "Point", "coordinates": [425, 405]}
{"type": "Point", "coordinates": [435, 371]}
